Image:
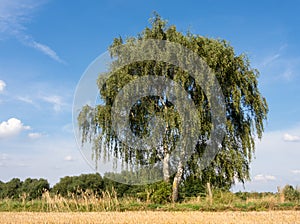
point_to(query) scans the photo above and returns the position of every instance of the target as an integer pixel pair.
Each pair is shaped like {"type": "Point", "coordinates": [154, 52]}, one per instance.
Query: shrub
{"type": "Point", "coordinates": [291, 194]}
{"type": "Point", "coordinates": [162, 193]}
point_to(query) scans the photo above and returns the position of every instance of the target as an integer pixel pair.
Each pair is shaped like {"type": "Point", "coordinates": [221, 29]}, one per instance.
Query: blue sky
{"type": "Point", "coordinates": [46, 45]}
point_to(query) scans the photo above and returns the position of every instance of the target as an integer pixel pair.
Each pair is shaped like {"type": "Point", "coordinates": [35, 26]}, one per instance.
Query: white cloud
{"type": "Point", "coordinates": [2, 86]}
{"type": "Point", "coordinates": [261, 177]}
{"type": "Point", "coordinates": [68, 158]}
{"type": "Point", "coordinates": [68, 128]}
{"type": "Point", "coordinates": [281, 66]}
{"type": "Point", "coordinates": [29, 100]}
{"type": "Point", "coordinates": [270, 177]}
{"type": "Point", "coordinates": [13, 18]}
{"type": "Point", "coordinates": [295, 171]}
{"type": "Point", "coordinates": [47, 51]}
{"type": "Point", "coordinates": [11, 127]}
{"type": "Point", "coordinates": [270, 59]}
{"type": "Point", "coordinates": [274, 157]}
{"type": "Point", "coordinates": [291, 138]}
{"type": "Point", "coordinates": [25, 99]}
{"type": "Point", "coordinates": [14, 14]}
{"type": "Point", "coordinates": [56, 101]}
{"type": "Point", "coordinates": [3, 159]}
{"type": "Point", "coordinates": [34, 135]}
{"type": "Point", "coordinates": [3, 156]}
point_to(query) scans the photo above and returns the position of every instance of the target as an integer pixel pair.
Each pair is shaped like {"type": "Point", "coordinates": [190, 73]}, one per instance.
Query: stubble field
{"type": "Point", "coordinates": [152, 217]}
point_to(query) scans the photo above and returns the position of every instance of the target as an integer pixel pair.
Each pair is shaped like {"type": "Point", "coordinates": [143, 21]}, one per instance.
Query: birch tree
{"type": "Point", "coordinates": [246, 110]}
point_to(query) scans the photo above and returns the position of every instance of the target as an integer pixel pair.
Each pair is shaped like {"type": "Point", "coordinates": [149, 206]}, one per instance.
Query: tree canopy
{"type": "Point", "coordinates": [245, 111]}
{"type": "Point", "coordinates": [31, 188]}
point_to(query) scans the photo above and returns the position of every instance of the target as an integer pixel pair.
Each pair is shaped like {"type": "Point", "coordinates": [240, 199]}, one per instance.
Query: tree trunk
{"type": "Point", "coordinates": [166, 159]}
{"type": "Point", "coordinates": [166, 168]}
{"type": "Point", "coordinates": [210, 196]}
{"type": "Point", "coordinates": [281, 194]}
{"type": "Point", "coordinates": [176, 182]}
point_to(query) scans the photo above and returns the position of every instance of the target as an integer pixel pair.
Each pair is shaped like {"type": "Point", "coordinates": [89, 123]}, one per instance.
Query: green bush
{"type": "Point", "coordinates": [291, 194]}
{"type": "Point", "coordinates": [34, 188]}
{"type": "Point", "coordinates": [11, 189]}
{"type": "Point", "coordinates": [77, 184]}
{"type": "Point", "coordinates": [162, 193]}
{"type": "Point", "coordinates": [224, 197]}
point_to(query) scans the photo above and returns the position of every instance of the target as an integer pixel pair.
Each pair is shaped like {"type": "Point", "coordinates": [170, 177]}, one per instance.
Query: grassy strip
{"type": "Point", "coordinates": [68, 205]}
{"type": "Point", "coordinates": [108, 201]}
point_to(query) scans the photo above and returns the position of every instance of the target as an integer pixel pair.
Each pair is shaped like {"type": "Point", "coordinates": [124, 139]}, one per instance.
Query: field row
{"type": "Point", "coordinates": [153, 217]}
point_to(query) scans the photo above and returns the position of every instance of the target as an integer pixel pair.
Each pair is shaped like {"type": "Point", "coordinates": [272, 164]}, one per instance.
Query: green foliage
{"type": "Point", "coordinates": [29, 189]}
{"type": "Point", "coordinates": [162, 192]}
{"type": "Point", "coordinates": [34, 188]}
{"type": "Point", "coordinates": [11, 189]}
{"type": "Point", "coordinates": [159, 192]}
{"type": "Point", "coordinates": [122, 197]}
{"type": "Point", "coordinates": [291, 194]}
{"type": "Point", "coordinates": [1, 188]}
{"type": "Point", "coordinates": [192, 187]}
{"type": "Point", "coordinates": [120, 188]}
{"type": "Point", "coordinates": [246, 108]}
{"type": "Point", "coordinates": [224, 197]}
{"type": "Point", "coordinates": [255, 195]}
{"type": "Point", "coordinates": [74, 185]}
{"type": "Point", "coordinates": [223, 201]}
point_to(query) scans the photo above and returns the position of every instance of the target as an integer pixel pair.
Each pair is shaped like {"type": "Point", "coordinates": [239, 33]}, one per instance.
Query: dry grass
{"type": "Point", "coordinates": [85, 202]}
{"type": "Point", "coordinates": [153, 217]}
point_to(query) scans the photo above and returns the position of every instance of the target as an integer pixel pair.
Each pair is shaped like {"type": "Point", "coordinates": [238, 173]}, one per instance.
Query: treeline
{"type": "Point", "coordinates": [29, 188]}
{"type": "Point", "coordinates": [95, 184]}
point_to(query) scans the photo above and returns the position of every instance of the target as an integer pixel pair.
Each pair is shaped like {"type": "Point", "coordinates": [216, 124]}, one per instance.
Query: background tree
{"type": "Point", "coordinates": [291, 194]}
{"type": "Point", "coordinates": [1, 189]}
{"type": "Point", "coordinates": [34, 188]}
{"type": "Point", "coordinates": [11, 189]}
{"type": "Point", "coordinates": [246, 110]}
{"type": "Point", "coordinates": [77, 184]}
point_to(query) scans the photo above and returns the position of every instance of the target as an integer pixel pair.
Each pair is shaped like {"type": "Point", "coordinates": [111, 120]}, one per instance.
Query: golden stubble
{"type": "Point", "coordinates": [152, 217]}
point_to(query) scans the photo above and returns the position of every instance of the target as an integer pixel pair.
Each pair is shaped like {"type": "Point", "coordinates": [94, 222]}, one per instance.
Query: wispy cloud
{"type": "Point", "coordinates": [25, 99]}
{"type": "Point", "coordinates": [68, 128]}
{"type": "Point", "coordinates": [34, 135]}
{"type": "Point", "coordinates": [56, 101]}
{"type": "Point", "coordinates": [47, 51]}
{"type": "Point", "coordinates": [68, 158]}
{"type": "Point", "coordinates": [295, 171]}
{"type": "Point", "coordinates": [3, 156]}
{"type": "Point", "coordinates": [14, 15]}
{"type": "Point", "coordinates": [3, 159]}
{"type": "Point", "coordinates": [41, 96]}
{"type": "Point", "coordinates": [2, 86]}
{"type": "Point", "coordinates": [279, 65]}
{"type": "Point", "coordinates": [291, 138]}
{"type": "Point", "coordinates": [270, 59]}
{"type": "Point", "coordinates": [262, 177]}
{"type": "Point", "coordinates": [11, 127]}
